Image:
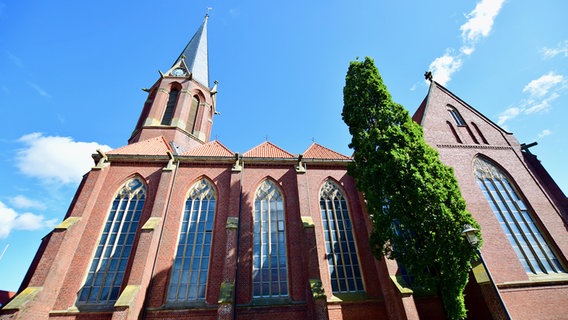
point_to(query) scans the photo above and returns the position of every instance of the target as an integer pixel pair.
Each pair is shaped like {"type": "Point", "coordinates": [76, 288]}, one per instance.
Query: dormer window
{"type": "Point", "coordinates": [456, 116]}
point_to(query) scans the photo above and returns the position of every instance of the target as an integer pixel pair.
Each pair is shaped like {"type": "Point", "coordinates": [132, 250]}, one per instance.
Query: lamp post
{"type": "Point", "coordinates": [469, 233]}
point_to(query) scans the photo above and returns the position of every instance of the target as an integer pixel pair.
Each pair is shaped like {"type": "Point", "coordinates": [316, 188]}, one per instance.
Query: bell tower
{"type": "Point", "coordinates": [181, 105]}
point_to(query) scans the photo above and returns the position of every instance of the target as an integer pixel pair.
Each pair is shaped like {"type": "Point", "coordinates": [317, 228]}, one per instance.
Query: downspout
{"type": "Point", "coordinates": [175, 169]}
{"type": "Point", "coordinates": [238, 241]}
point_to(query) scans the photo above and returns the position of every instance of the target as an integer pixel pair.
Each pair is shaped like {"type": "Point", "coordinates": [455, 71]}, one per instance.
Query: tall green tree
{"type": "Point", "coordinates": [413, 199]}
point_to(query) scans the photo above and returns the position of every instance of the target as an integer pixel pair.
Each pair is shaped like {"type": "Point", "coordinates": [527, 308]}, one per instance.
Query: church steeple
{"type": "Point", "coordinates": [181, 105]}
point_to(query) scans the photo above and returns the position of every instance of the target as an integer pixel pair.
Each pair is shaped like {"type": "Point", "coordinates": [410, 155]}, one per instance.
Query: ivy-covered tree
{"type": "Point", "coordinates": [413, 199]}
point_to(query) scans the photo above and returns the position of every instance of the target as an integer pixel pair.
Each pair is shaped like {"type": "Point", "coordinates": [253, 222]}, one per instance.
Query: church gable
{"type": "Point", "coordinates": [157, 146]}
{"type": "Point", "coordinates": [267, 150]}
{"type": "Point", "coordinates": [316, 151]}
{"type": "Point", "coordinates": [210, 149]}
{"type": "Point", "coordinates": [448, 120]}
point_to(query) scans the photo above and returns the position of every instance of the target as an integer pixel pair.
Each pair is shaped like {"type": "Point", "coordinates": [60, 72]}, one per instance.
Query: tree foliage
{"type": "Point", "coordinates": [413, 199]}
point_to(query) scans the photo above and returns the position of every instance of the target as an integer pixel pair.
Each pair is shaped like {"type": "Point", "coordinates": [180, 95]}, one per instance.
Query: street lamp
{"type": "Point", "coordinates": [469, 233]}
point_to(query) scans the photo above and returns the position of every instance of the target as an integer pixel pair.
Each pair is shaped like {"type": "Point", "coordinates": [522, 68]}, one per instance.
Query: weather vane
{"type": "Point", "coordinates": [207, 11]}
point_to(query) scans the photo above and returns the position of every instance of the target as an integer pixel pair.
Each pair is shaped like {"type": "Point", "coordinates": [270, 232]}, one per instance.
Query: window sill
{"type": "Point", "coordinates": [270, 301]}
{"type": "Point", "coordinates": [348, 297]}
{"type": "Point", "coordinates": [537, 281]}
{"type": "Point", "coordinates": [84, 308]}
{"type": "Point", "coordinates": [201, 304]}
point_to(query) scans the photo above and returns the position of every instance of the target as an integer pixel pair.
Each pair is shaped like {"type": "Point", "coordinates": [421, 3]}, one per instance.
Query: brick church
{"type": "Point", "coordinates": [174, 225]}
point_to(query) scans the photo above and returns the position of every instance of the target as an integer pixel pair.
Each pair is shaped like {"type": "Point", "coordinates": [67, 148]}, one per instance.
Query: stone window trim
{"type": "Point", "coordinates": [516, 219]}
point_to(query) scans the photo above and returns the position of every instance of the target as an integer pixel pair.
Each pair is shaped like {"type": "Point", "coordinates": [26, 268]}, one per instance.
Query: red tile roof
{"type": "Point", "coordinates": [5, 296]}
{"type": "Point", "coordinates": [316, 151]}
{"type": "Point", "coordinates": [151, 147]}
{"type": "Point", "coordinates": [210, 149]}
{"type": "Point", "coordinates": [267, 150]}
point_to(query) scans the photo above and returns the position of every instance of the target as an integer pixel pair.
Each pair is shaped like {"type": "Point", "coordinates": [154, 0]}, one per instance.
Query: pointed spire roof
{"type": "Point", "coordinates": [195, 55]}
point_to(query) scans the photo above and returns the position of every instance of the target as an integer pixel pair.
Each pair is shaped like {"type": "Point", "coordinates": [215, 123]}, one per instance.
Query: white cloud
{"type": "Point", "coordinates": [541, 86]}
{"type": "Point", "coordinates": [542, 92]}
{"type": "Point", "coordinates": [467, 50]}
{"type": "Point", "coordinates": [10, 220]}
{"type": "Point", "coordinates": [443, 67]}
{"type": "Point", "coordinates": [539, 105]}
{"type": "Point", "coordinates": [508, 114]}
{"type": "Point", "coordinates": [478, 25]}
{"type": "Point", "coordinates": [53, 159]}
{"type": "Point", "coordinates": [480, 21]}
{"type": "Point", "coordinates": [23, 202]}
{"type": "Point", "coordinates": [544, 133]}
{"type": "Point", "coordinates": [561, 48]}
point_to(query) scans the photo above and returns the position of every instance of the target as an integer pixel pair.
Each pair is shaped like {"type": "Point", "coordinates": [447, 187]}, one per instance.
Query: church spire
{"type": "Point", "coordinates": [195, 55]}
{"type": "Point", "coordinates": [181, 105]}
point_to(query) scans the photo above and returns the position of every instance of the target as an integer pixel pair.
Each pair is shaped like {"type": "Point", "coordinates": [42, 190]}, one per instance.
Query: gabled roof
{"type": "Point", "coordinates": [422, 111]}
{"type": "Point", "coordinates": [316, 151]}
{"type": "Point", "coordinates": [210, 149]}
{"type": "Point", "coordinates": [195, 55]}
{"type": "Point", "coordinates": [157, 146]}
{"type": "Point", "coordinates": [267, 150]}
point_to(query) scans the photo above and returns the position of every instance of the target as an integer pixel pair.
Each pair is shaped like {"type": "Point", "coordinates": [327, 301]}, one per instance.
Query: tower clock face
{"type": "Point", "coordinates": [178, 72]}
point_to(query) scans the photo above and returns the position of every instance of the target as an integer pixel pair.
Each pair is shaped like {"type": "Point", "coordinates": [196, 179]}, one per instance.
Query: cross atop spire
{"type": "Point", "coordinates": [195, 55]}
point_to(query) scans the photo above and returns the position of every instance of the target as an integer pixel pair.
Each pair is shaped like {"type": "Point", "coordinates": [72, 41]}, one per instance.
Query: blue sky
{"type": "Point", "coordinates": [71, 74]}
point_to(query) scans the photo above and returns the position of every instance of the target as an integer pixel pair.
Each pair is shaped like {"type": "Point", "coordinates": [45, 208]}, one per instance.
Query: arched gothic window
{"type": "Point", "coordinates": [456, 116]}
{"type": "Point", "coordinates": [111, 257]}
{"type": "Point", "coordinates": [170, 106]}
{"type": "Point", "coordinates": [339, 241]}
{"type": "Point", "coordinates": [191, 263]}
{"type": "Point", "coordinates": [516, 220]}
{"type": "Point", "coordinates": [269, 271]}
{"type": "Point", "coordinates": [192, 117]}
